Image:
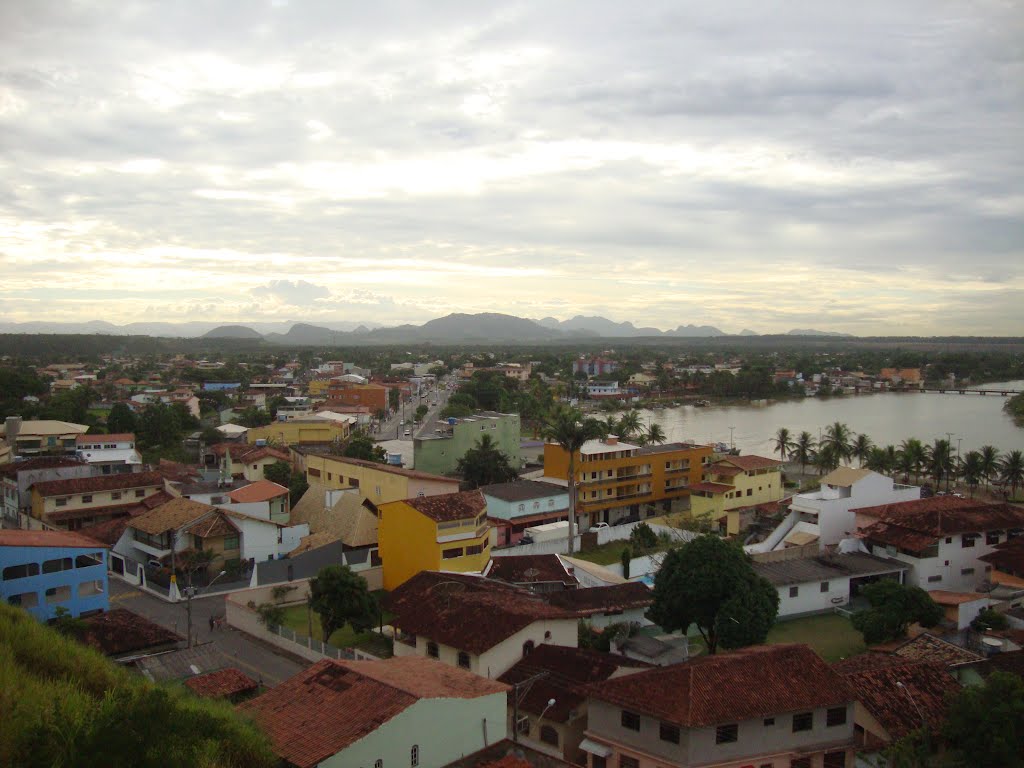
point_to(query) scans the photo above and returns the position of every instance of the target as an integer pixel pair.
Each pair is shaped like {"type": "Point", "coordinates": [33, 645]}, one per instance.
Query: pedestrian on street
{"type": "Point", "coordinates": [212, 624]}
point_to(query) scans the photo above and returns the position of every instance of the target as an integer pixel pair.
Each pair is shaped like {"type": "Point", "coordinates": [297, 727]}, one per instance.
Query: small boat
{"type": "Point", "coordinates": [702, 403]}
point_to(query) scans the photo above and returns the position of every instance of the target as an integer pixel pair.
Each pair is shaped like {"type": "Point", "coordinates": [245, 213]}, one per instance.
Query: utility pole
{"type": "Point", "coordinates": [948, 467]}
{"type": "Point", "coordinates": [516, 697]}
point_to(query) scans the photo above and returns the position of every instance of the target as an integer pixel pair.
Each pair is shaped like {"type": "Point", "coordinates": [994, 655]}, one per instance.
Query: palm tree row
{"type": "Point", "coordinates": [913, 458]}
{"type": "Point", "coordinates": [629, 427]}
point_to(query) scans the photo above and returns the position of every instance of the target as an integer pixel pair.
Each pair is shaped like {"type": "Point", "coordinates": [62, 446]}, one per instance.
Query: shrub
{"type": "Point", "coordinates": [270, 615]}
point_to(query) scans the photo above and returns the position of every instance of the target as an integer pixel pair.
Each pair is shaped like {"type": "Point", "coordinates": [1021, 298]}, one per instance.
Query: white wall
{"type": "Point", "coordinates": [499, 659]}
{"type": "Point", "coordinates": [259, 538]}
{"type": "Point", "coordinates": [811, 599]}
{"type": "Point", "coordinates": [934, 573]}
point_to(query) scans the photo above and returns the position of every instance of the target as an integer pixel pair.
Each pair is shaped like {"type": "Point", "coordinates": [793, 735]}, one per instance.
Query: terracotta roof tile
{"type": "Point", "coordinates": [751, 463]}
{"type": "Point", "coordinates": [215, 525]}
{"type": "Point", "coordinates": [119, 631]}
{"type": "Point", "coordinates": [261, 490]}
{"type": "Point", "coordinates": [1008, 556]}
{"type": "Point", "coordinates": [170, 515]}
{"type": "Point", "coordinates": [449, 506]}
{"type": "Point", "coordinates": [98, 483]}
{"type": "Point", "coordinates": [115, 510]}
{"type": "Point", "coordinates": [616, 597]}
{"type": "Point", "coordinates": [118, 437]}
{"type": "Point", "coordinates": [528, 569]}
{"type": "Point", "coordinates": [522, 490]}
{"type": "Point", "coordinates": [39, 462]}
{"type": "Point", "coordinates": [946, 515]}
{"type": "Point", "coordinates": [222, 684]}
{"type": "Point", "coordinates": [928, 647]}
{"type": "Point", "coordinates": [332, 704]}
{"type": "Point", "coordinates": [108, 532]}
{"type": "Point", "coordinates": [718, 689]}
{"type": "Point", "coordinates": [24, 538]}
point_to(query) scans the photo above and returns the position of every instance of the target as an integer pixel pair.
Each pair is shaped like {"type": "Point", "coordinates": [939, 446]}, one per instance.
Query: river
{"type": "Point", "coordinates": [886, 417]}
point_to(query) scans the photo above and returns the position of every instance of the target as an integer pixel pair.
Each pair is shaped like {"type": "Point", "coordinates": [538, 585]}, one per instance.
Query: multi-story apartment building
{"type": "Point", "coordinates": [774, 706]}
{"type": "Point", "coordinates": [594, 366]}
{"type": "Point", "coordinates": [110, 454]}
{"type": "Point", "coordinates": [42, 436]}
{"type": "Point", "coordinates": [440, 452]}
{"type": "Point", "coordinates": [617, 479]}
{"type": "Point", "coordinates": [380, 483]}
{"type": "Point", "coordinates": [74, 503]}
{"type": "Point", "coordinates": [18, 477]}
{"type": "Point", "coordinates": [734, 482]}
{"type": "Point", "coordinates": [942, 538]}
{"type": "Point", "coordinates": [513, 507]}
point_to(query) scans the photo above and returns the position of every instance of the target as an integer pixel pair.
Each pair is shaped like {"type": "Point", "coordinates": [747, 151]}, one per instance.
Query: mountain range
{"type": "Point", "coordinates": [451, 329]}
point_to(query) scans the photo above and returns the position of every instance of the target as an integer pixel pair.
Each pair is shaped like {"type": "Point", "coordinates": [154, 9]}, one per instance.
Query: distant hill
{"type": "Point", "coordinates": [304, 334]}
{"type": "Point", "coordinates": [812, 332]}
{"type": "Point", "coordinates": [692, 331]}
{"type": "Point", "coordinates": [748, 332]}
{"type": "Point", "coordinates": [609, 329]}
{"type": "Point", "coordinates": [232, 332]}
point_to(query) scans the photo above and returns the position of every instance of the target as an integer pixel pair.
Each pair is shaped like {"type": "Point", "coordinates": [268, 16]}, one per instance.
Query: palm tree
{"type": "Point", "coordinates": [783, 443]}
{"type": "Point", "coordinates": [630, 425]}
{"type": "Point", "coordinates": [912, 457]}
{"type": "Point", "coordinates": [655, 435]}
{"type": "Point", "coordinates": [970, 468]}
{"type": "Point", "coordinates": [861, 448]}
{"type": "Point", "coordinates": [877, 460]}
{"type": "Point", "coordinates": [839, 440]}
{"type": "Point", "coordinates": [1011, 471]}
{"type": "Point", "coordinates": [939, 460]}
{"type": "Point", "coordinates": [803, 451]}
{"type": "Point", "coordinates": [570, 430]}
{"type": "Point", "coordinates": [826, 459]}
{"type": "Point", "coordinates": [989, 463]}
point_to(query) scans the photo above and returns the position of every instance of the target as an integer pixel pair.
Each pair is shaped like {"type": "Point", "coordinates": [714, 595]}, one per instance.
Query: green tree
{"type": "Point", "coordinates": [361, 446]}
{"type": "Point", "coordinates": [861, 448]}
{"type": "Point", "coordinates": [838, 439]}
{"type": "Point", "coordinates": [279, 472]}
{"type": "Point", "coordinates": [654, 435]}
{"type": "Point", "coordinates": [894, 607]}
{"type": "Point", "coordinates": [970, 470]}
{"type": "Point", "coordinates": [989, 619]}
{"type": "Point", "coordinates": [803, 451]}
{"type": "Point", "coordinates": [567, 428]}
{"type": "Point", "coordinates": [421, 411]}
{"type": "Point", "coordinates": [1011, 471]}
{"type": "Point", "coordinates": [485, 464]}
{"type": "Point", "coordinates": [711, 583]}
{"type": "Point", "coordinates": [912, 458]}
{"type": "Point", "coordinates": [643, 537]}
{"type": "Point", "coordinates": [983, 724]}
{"type": "Point", "coordinates": [394, 398]}
{"type": "Point", "coordinates": [121, 419]}
{"type": "Point", "coordinates": [625, 558]}
{"type": "Point", "coordinates": [630, 425]}
{"type": "Point", "coordinates": [784, 443]}
{"type": "Point", "coordinates": [989, 463]}
{"type": "Point", "coordinates": [341, 597]}
{"type": "Point", "coordinates": [939, 458]}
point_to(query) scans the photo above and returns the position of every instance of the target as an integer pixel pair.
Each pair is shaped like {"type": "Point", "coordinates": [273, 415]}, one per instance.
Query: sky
{"type": "Point", "coordinates": [853, 167]}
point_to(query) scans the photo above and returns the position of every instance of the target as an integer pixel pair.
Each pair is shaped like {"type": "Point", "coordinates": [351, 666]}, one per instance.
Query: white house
{"type": "Point", "coordinates": [827, 513]}
{"type": "Point", "coordinates": [942, 538]}
{"type": "Point", "coordinates": [109, 453]}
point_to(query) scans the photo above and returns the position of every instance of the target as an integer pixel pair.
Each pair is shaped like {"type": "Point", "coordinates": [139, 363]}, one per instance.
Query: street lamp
{"type": "Point", "coordinates": [731, 444]}
{"type": "Point", "coordinates": [191, 592]}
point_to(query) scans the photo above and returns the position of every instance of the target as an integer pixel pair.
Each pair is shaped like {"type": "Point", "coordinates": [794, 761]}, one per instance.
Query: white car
{"type": "Point", "coordinates": [408, 432]}
{"type": "Point", "coordinates": [401, 423]}
{"type": "Point", "coordinates": [599, 526]}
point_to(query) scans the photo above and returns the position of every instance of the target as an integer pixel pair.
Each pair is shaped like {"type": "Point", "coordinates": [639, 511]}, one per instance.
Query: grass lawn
{"type": "Point", "coordinates": [297, 619]}
{"type": "Point", "coordinates": [611, 553]}
{"type": "Point", "coordinates": [831, 635]}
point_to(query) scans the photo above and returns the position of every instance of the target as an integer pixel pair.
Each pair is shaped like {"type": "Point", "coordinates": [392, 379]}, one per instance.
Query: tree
{"type": "Point", "coordinates": [654, 435]}
{"type": "Point", "coordinates": [394, 398]}
{"type": "Point", "coordinates": [983, 724]}
{"type": "Point", "coordinates": [625, 558]}
{"type": "Point", "coordinates": [361, 446]}
{"type": "Point", "coordinates": [784, 443]}
{"type": "Point", "coordinates": [567, 427]}
{"type": "Point", "coordinates": [826, 458]}
{"type": "Point", "coordinates": [421, 411]}
{"type": "Point", "coordinates": [989, 619]}
{"type": "Point", "coordinates": [643, 537]}
{"type": "Point", "coordinates": [121, 419]}
{"type": "Point", "coordinates": [989, 463]}
{"type": "Point", "coordinates": [711, 583]}
{"type": "Point", "coordinates": [838, 439]}
{"type": "Point", "coordinates": [297, 487]}
{"type": "Point", "coordinates": [861, 448]}
{"type": "Point", "coordinates": [341, 597]}
{"type": "Point", "coordinates": [894, 607]}
{"type": "Point", "coordinates": [279, 472]}
{"type": "Point", "coordinates": [1011, 471]}
{"type": "Point", "coordinates": [630, 425]}
{"type": "Point", "coordinates": [939, 460]}
{"type": "Point", "coordinates": [970, 470]}
{"type": "Point", "coordinates": [803, 451]}
{"type": "Point", "coordinates": [912, 458]}
{"type": "Point", "coordinates": [485, 464]}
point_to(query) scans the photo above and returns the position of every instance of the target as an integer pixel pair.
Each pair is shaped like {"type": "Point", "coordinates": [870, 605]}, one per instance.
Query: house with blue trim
{"type": "Point", "coordinates": [42, 571]}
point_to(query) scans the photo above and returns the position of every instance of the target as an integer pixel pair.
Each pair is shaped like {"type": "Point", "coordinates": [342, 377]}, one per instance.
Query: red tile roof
{"type": "Point", "coordinates": [39, 462]}
{"type": "Point", "coordinates": [530, 569]}
{"type": "Point", "coordinates": [119, 631]}
{"type": "Point", "coordinates": [946, 515]}
{"type": "Point", "coordinates": [750, 463]}
{"type": "Point", "coordinates": [261, 490]}
{"type": "Point", "coordinates": [117, 482]}
{"type": "Point", "coordinates": [928, 647]}
{"type": "Point", "coordinates": [449, 506]}
{"type": "Point", "coordinates": [108, 532]}
{"type": "Point", "coordinates": [616, 597]}
{"type": "Point", "coordinates": [754, 682]}
{"type": "Point", "coordinates": [115, 510]}
{"type": "Point", "coordinates": [118, 437]}
{"type": "Point", "coordinates": [925, 694]}
{"type": "Point", "coordinates": [466, 612]}
{"type": "Point", "coordinates": [332, 704]}
{"type": "Point", "coordinates": [897, 536]}
{"type": "Point", "coordinates": [1008, 556]}
{"type": "Point", "coordinates": [243, 453]}
{"type": "Point", "coordinates": [222, 684]}
{"type": "Point", "coordinates": [22, 538]}
{"type": "Point", "coordinates": [565, 670]}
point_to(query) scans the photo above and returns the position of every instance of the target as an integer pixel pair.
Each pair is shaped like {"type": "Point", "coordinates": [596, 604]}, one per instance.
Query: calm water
{"type": "Point", "coordinates": [887, 418]}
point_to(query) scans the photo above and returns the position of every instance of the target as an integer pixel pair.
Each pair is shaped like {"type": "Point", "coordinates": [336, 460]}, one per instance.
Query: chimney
{"type": "Point", "coordinates": [611, 440]}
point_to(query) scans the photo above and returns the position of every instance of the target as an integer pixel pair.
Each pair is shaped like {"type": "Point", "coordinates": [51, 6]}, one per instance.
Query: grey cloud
{"type": "Point", "coordinates": [296, 292]}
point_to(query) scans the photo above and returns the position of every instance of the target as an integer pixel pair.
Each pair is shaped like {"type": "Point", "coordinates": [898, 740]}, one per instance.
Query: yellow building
{"type": "Point", "coordinates": [298, 431]}
{"type": "Point", "coordinates": [616, 478]}
{"type": "Point", "coordinates": [380, 483]}
{"type": "Point", "coordinates": [433, 533]}
{"type": "Point", "coordinates": [735, 482]}
{"type": "Point", "coordinates": [318, 387]}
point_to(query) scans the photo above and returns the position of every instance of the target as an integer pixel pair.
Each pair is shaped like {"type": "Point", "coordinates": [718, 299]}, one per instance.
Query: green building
{"type": "Point", "coordinates": [439, 453]}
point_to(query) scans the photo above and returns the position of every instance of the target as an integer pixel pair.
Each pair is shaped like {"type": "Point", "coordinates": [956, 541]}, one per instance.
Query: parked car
{"type": "Point", "coordinates": [599, 526]}
{"type": "Point", "coordinates": [526, 540]}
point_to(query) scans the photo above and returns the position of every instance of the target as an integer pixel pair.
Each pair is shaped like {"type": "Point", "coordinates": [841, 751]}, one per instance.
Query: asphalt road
{"type": "Point", "coordinates": [392, 429]}
{"type": "Point", "coordinates": [258, 660]}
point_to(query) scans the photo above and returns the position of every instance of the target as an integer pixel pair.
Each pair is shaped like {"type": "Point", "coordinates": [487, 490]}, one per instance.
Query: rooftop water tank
{"type": "Point", "coordinates": [261, 443]}
{"type": "Point", "coordinates": [395, 459]}
{"type": "Point", "coordinates": [452, 421]}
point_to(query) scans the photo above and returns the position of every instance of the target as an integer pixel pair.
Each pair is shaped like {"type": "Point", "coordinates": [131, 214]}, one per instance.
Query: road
{"type": "Point", "coordinates": [260, 661]}
{"type": "Point", "coordinates": [393, 429]}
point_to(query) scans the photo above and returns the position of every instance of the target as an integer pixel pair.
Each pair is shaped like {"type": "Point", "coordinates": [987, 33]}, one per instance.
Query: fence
{"type": "Point", "coordinates": [318, 649]}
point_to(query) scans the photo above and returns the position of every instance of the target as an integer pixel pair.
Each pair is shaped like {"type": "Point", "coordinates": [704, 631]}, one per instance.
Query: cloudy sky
{"type": "Point", "coordinates": [845, 166]}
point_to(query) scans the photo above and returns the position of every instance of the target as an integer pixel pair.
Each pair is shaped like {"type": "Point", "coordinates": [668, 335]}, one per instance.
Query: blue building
{"type": "Point", "coordinates": [42, 571]}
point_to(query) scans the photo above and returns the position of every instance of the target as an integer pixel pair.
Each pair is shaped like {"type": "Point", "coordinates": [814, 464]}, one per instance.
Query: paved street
{"type": "Point", "coordinates": [256, 659]}
{"type": "Point", "coordinates": [392, 429]}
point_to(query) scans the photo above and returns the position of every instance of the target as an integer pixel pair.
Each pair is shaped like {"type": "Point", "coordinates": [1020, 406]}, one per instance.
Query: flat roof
{"type": "Point", "coordinates": [811, 569]}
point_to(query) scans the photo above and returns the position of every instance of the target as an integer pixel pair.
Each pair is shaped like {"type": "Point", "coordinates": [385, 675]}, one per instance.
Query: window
{"type": "Point", "coordinates": [448, 554]}
{"type": "Point", "coordinates": [834, 760]}
{"type": "Point", "coordinates": [115, 495]}
{"type": "Point", "coordinates": [949, 539]}
{"type": "Point", "coordinates": [58, 594]}
{"type": "Point", "coordinates": [313, 472]}
{"type": "Point", "coordinates": [528, 647]}
{"type": "Point", "coordinates": [139, 493]}
{"type": "Point", "coordinates": [549, 735]}
{"type": "Point", "coordinates": [803, 721]}
{"type": "Point", "coordinates": [727, 734]}
{"type": "Point", "coordinates": [523, 726]}
{"type": "Point", "coordinates": [769, 721]}
{"type": "Point", "coordinates": [630, 720]}
{"type": "Point", "coordinates": [835, 716]}
{"type": "Point", "coordinates": [231, 542]}
{"type": "Point", "coordinates": [992, 537]}
{"type": "Point", "coordinates": [87, 499]}
{"type": "Point", "coordinates": [628, 762]}
{"type": "Point", "coordinates": [21, 571]}
{"type": "Point", "coordinates": [25, 599]}
{"type": "Point", "coordinates": [463, 659]}
{"type": "Point", "coordinates": [432, 650]}
{"type": "Point", "coordinates": [87, 561]}
{"type": "Point", "coordinates": [750, 491]}
{"type": "Point", "coordinates": [933, 579]}
{"type": "Point", "coordinates": [475, 549]}
{"type": "Point", "coordinates": [669, 732]}
{"type": "Point", "coordinates": [800, 762]}
{"type": "Point", "coordinates": [794, 591]}
{"type": "Point", "coordinates": [522, 507]}
{"type": "Point", "coordinates": [967, 540]}
{"type": "Point", "coordinates": [414, 755]}
{"type": "Point", "coordinates": [90, 588]}
{"type": "Point", "coordinates": [596, 761]}
{"type": "Point", "coordinates": [824, 586]}
{"type": "Point", "coordinates": [57, 564]}
{"type": "Point", "coordinates": [378, 764]}
{"type": "Point", "coordinates": [966, 571]}
{"type": "Point", "coordinates": [354, 482]}
{"type": "Point", "coordinates": [61, 502]}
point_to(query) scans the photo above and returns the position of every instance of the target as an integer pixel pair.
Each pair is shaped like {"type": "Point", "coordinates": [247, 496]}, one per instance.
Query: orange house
{"type": "Point", "coordinates": [372, 395]}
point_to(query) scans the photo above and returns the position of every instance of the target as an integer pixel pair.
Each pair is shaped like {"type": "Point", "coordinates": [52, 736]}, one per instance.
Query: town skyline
{"type": "Point", "coordinates": [848, 170]}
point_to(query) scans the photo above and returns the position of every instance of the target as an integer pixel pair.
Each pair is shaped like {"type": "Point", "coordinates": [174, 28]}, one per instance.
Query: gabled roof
{"type": "Point", "coordinates": [617, 597]}
{"type": "Point", "coordinates": [1008, 556]}
{"type": "Point", "coordinates": [108, 532]}
{"type": "Point", "coordinates": [749, 463]}
{"type": "Point", "coordinates": [261, 490]}
{"type": "Point", "coordinates": [467, 612]}
{"type": "Point", "coordinates": [928, 647]}
{"type": "Point", "coordinates": [844, 477]}
{"type": "Point", "coordinates": [448, 506]}
{"type": "Point", "coordinates": [529, 569]}
{"type": "Point", "coordinates": [97, 483]}
{"type": "Point", "coordinates": [352, 519]}
{"type": "Point", "coordinates": [221, 684]}
{"type": "Point", "coordinates": [118, 437]}
{"type": "Point", "coordinates": [523, 490]}
{"type": "Point", "coordinates": [39, 462]}
{"type": "Point", "coordinates": [170, 516]}
{"type": "Point", "coordinates": [804, 570]}
{"type": "Point", "coordinates": [333, 704]}
{"type": "Point", "coordinates": [721, 689]}
{"type": "Point", "coordinates": [25, 538]}
{"type": "Point", "coordinates": [946, 515]}
{"type": "Point", "coordinates": [565, 670]}
{"type": "Point", "coordinates": [120, 631]}
{"type": "Point", "coordinates": [46, 428]}
{"type": "Point", "coordinates": [215, 525]}
{"type": "Point", "coordinates": [900, 693]}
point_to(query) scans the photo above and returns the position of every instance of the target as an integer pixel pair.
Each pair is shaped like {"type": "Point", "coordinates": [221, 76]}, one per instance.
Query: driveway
{"type": "Point", "coordinates": [258, 660]}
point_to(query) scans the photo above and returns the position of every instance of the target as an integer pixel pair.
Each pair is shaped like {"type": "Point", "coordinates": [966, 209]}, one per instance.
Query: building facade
{"type": "Point", "coordinates": [513, 507]}
{"type": "Point", "coordinates": [74, 503]}
{"type": "Point", "coordinates": [440, 452]}
{"type": "Point", "coordinates": [380, 483]}
{"type": "Point", "coordinates": [734, 482]}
